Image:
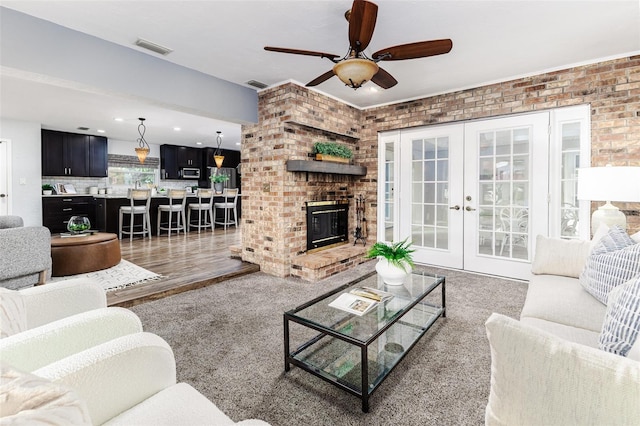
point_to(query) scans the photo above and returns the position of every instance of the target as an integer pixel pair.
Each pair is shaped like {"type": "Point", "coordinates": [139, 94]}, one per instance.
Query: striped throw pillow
{"type": "Point", "coordinates": [616, 238]}
{"type": "Point", "coordinates": [622, 322]}
{"type": "Point", "coordinates": [603, 272]}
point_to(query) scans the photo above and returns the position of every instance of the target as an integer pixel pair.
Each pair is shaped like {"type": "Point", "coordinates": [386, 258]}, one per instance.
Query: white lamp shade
{"type": "Point", "coordinates": [609, 184]}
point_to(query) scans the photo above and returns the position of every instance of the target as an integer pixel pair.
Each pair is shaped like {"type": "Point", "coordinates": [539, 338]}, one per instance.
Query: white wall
{"type": "Point", "coordinates": [26, 188]}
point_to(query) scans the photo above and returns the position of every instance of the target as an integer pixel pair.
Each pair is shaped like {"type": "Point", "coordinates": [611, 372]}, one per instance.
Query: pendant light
{"type": "Point", "coordinates": [143, 147]}
{"type": "Point", "coordinates": [217, 155]}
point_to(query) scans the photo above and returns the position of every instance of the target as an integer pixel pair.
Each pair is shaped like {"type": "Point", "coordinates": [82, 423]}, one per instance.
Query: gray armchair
{"type": "Point", "coordinates": [25, 253]}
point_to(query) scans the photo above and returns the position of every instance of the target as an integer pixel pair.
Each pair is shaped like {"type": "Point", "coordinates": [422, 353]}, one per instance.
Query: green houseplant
{"type": "Point", "coordinates": [332, 151]}
{"type": "Point", "coordinates": [47, 189]}
{"type": "Point", "coordinates": [218, 180]}
{"type": "Point", "coordinates": [395, 260]}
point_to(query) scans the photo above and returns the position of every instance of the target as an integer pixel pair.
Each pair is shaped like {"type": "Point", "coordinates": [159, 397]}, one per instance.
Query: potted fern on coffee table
{"type": "Point", "coordinates": [395, 260]}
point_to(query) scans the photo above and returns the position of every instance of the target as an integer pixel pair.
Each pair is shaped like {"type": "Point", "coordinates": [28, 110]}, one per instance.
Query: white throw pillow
{"type": "Point", "coordinates": [538, 378]}
{"type": "Point", "coordinates": [13, 313]}
{"type": "Point", "coordinates": [636, 237]}
{"type": "Point", "coordinates": [32, 400]}
{"type": "Point", "coordinates": [621, 324]}
{"type": "Point", "coordinates": [600, 232]}
{"type": "Point", "coordinates": [555, 256]}
{"type": "Point", "coordinates": [613, 261]}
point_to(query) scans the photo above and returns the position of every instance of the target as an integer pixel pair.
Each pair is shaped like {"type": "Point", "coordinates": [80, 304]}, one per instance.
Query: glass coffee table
{"type": "Point", "coordinates": [357, 352]}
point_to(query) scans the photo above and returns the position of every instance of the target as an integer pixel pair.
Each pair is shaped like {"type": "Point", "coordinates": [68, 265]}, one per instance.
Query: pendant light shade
{"type": "Point", "coordinates": [217, 155]}
{"type": "Point", "coordinates": [143, 147]}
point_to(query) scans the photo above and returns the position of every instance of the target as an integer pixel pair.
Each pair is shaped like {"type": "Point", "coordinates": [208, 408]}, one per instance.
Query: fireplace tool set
{"type": "Point", "coordinates": [360, 233]}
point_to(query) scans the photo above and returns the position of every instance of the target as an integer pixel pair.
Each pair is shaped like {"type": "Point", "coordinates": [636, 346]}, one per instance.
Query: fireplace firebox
{"type": "Point", "coordinates": [327, 224]}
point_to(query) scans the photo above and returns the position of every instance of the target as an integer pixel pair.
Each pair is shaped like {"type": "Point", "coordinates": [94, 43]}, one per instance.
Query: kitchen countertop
{"type": "Point", "coordinates": [114, 196]}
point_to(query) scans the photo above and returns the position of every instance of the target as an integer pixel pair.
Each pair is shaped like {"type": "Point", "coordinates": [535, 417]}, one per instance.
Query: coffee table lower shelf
{"type": "Point", "coordinates": [355, 366]}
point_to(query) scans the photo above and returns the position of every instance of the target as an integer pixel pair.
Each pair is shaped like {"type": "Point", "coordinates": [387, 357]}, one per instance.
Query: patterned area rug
{"type": "Point", "coordinates": [124, 274]}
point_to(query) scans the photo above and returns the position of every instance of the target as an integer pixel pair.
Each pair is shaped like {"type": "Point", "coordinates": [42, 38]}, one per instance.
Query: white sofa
{"type": "Point", "coordinates": [547, 368]}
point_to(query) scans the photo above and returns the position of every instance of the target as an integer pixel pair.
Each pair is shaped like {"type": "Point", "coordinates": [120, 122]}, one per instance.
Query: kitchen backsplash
{"type": "Point", "coordinates": [82, 184]}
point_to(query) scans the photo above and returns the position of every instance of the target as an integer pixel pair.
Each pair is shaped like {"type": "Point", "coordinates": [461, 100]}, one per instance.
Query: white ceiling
{"type": "Point", "coordinates": [492, 41]}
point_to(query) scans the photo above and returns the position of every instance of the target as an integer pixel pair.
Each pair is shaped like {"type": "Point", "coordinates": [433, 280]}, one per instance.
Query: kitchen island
{"type": "Point", "coordinates": [102, 210]}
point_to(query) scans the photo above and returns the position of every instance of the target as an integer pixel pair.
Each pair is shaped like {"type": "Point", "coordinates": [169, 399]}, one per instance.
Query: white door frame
{"type": "Point", "coordinates": [5, 177]}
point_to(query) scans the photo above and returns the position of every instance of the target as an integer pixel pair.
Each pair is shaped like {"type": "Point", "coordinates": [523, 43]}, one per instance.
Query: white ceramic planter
{"type": "Point", "coordinates": [391, 274]}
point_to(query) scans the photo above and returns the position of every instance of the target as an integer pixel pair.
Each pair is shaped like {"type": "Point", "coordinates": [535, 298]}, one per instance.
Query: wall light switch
{"type": "Point", "coordinates": [23, 181]}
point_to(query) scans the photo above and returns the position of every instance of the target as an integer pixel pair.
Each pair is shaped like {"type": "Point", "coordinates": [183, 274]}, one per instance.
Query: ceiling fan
{"type": "Point", "coordinates": [356, 68]}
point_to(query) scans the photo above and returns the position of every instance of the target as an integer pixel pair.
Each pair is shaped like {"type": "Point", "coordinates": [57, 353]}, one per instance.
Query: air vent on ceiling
{"type": "Point", "coordinates": [84, 129]}
{"type": "Point", "coordinates": [146, 44]}
{"type": "Point", "coordinates": [257, 84]}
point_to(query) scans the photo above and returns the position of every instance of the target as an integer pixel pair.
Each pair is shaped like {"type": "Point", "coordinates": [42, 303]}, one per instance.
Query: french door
{"type": "Point", "coordinates": [469, 196]}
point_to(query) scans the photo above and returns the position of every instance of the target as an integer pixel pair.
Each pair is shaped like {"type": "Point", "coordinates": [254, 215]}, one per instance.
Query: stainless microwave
{"type": "Point", "coordinates": [190, 173]}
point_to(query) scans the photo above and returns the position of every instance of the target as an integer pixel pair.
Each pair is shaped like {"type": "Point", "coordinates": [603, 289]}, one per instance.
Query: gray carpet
{"type": "Point", "coordinates": [228, 343]}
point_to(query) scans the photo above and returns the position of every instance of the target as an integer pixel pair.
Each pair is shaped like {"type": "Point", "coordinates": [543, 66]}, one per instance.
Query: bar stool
{"type": "Point", "coordinates": [139, 202]}
{"type": "Point", "coordinates": [227, 194]}
{"type": "Point", "coordinates": [204, 204]}
{"type": "Point", "coordinates": [177, 200]}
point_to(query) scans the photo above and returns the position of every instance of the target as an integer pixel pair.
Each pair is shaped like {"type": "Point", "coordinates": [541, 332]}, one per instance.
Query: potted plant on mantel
{"type": "Point", "coordinates": [332, 151]}
{"type": "Point", "coordinates": [218, 181]}
{"type": "Point", "coordinates": [395, 260]}
{"type": "Point", "coordinates": [47, 189]}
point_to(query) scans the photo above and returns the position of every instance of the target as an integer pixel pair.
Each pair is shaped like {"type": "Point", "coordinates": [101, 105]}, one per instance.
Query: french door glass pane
{"type": "Point", "coordinates": [569, 180]}
{"type": "Point", "coordinates": [388, 190]}
{"type": "Point", "coordinates": [429, 186]}
{"type": "Point", "coordinates": [503, 192]}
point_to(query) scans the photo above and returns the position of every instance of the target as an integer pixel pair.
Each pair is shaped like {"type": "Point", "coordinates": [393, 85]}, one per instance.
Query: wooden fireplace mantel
{"type": "Point", "coordinates": [325, 167]}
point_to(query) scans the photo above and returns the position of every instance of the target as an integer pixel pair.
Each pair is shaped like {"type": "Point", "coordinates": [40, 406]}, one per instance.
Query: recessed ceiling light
{"type": "Point", "coordinates": [373, 89]}
{"type": "Point", "coordinates": [237, 143]}
{"type": "Point", "coordinates": [177, 129]}
{"type": "Point", "coordinates": [100, 131]}
{"type": "Point", "coordinates": [198, 143]}
{"type": "Point", "coordinates": [118, 119]}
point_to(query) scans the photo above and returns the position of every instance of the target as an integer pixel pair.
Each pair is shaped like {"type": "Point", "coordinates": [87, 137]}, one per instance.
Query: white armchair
{"type": "Point", "coordinates": [131, 380]}
{"type": "Point", "coordinates": [41, 325]}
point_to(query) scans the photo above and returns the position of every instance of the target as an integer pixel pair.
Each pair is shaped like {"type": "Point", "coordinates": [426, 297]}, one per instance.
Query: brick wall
{"type": "Point", "coordinates": [273, 199]}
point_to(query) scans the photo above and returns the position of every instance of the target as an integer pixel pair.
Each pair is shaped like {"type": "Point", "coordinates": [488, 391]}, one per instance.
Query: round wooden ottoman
{"type": "Point", "coordinates": [87, 253]}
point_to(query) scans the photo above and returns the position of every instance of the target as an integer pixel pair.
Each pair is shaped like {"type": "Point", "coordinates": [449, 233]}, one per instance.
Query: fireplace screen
{"type": "Point", "coordinates": [327, 224]}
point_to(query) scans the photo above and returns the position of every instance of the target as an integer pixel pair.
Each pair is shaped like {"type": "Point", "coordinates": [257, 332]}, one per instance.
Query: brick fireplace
{"type": "Point", "coordinates": [277, 185]}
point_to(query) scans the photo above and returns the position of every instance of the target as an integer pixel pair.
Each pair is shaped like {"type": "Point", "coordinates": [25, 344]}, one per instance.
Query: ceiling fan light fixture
{"type": "Point", "coordinates": [355, 72]}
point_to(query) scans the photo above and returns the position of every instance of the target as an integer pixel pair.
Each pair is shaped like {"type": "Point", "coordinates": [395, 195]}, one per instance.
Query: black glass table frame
{"type": "Point", "coordinates": [333, 332]}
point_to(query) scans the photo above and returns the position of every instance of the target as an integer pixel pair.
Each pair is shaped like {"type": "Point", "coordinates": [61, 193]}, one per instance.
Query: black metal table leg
{"type": "Point", "coordinates": [287, 366]}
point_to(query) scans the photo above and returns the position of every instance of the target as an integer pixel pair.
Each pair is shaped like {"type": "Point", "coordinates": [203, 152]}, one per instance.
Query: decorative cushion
{"type": "Point", "coordinates": [13, 313]}
{"type": "Point", "coordinates": [32, 400]}
{"type": "Point", "coordinates": [622, 322]}
{"type": "Point", "coordinates": [555, 256]}
{"type": "Point", "coordinates": [616, 238]}
{"type": "Point", "coordinates": [636, 237]}
{"type": "Point", "coordinates": [601, 232]}
{"type": "Point", "coordinates": [610, 265]}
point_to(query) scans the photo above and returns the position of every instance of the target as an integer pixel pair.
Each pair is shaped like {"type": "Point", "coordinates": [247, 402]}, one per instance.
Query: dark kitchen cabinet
{"type": "Point", "coordinates": [169, 168]}
{"type": "Point", "coordinates": [189, 157]}
{"type": "Point", "coordinates": [56, 211]}
{"type": "Point", "coordinates": [98, 156]}
{"type": "Point", "coordinates": [71, 154]}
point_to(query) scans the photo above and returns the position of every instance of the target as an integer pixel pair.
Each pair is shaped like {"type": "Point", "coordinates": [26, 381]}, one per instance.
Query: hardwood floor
{"type": "Point", "coordinates": [186, 262]}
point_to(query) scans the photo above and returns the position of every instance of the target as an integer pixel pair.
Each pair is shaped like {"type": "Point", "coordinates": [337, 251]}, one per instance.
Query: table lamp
{"type": "Point", "coordinates": [609, 184]}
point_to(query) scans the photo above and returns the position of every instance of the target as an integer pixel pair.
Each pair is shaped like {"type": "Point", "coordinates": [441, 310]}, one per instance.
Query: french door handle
{"type": "Point", "coordinates": [469, 209]}
{"type": "Point", "coordinates": [456, 207]}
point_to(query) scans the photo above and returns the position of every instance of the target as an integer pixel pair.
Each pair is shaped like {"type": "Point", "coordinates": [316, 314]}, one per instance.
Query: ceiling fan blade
{"type": "Point", "coordinates": [362, 22]}
{"type": "Point", "coordinates": [420, 49]}
{"type": "Point", "coordinates": [301, 52]}
{"type": "Point", "coordinates": [384, 79]}
{"type": "Point", "coordinates": [324, 77]}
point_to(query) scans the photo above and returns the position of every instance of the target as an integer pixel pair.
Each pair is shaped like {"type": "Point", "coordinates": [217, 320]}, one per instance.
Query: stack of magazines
{"type": "Point", "coordinates": [360, 300]}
